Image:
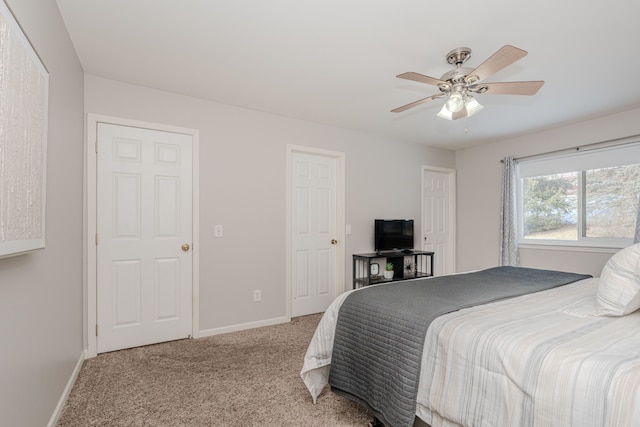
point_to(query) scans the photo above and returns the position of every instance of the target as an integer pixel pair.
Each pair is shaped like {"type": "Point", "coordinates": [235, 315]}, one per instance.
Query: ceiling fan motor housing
{"type": "Point", "coordinates": [455, 79]}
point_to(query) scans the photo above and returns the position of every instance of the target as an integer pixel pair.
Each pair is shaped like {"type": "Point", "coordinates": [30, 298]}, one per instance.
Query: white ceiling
{"type": "Point", "coordinates": [334, 61]}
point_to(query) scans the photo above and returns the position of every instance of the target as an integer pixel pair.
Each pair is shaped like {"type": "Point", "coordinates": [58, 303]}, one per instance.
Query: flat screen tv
{"type": "Point", "coordinates": [393, 234]}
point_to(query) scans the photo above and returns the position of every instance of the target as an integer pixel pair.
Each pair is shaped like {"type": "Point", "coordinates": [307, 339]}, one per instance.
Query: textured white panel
{"type": "Point", "coordinates": [303, 211]}
{"type": "Point", "coordinates": [303, 276]}
{"type": "Point", "coordinates": [127, 150]}
{"type": "Point", "coordinates": [167, 154]}
{"type": "Point", "coordinates": [126, 206]}
{"type": "Point", "coordinates": [126, 293]}
{"type": "Point", "coordinates": [323, 280]}
{"type": "Point", "coordinates": [167, 206]}
{"type": "Point", "coordinates": [167, 288]}
{"type": "Point", "coordinates": [323, 206]}
{"type": "Point", "coordinates": [23, 132]}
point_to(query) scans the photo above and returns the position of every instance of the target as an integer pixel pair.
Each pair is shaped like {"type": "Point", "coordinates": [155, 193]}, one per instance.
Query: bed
{"type": "Point", "coordinates": [568, 355]}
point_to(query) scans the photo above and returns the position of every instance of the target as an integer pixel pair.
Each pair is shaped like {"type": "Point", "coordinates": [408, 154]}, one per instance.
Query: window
{"type": "Point", "coordinates": [586, 198]}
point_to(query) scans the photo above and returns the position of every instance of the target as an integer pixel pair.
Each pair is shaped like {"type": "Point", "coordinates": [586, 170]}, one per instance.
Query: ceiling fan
{"type": "Point", "coordinates": [459, 83]}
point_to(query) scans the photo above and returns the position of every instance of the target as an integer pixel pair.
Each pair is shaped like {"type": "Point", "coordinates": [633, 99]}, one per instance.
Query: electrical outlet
{"type": "Point", "coordinates": [257, 295]}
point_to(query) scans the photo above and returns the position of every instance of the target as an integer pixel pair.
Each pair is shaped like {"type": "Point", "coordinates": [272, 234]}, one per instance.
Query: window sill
{"type": "Point", "coordinates": [569, 248]}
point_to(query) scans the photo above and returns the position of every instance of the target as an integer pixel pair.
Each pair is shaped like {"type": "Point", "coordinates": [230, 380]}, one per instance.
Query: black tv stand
{"type": "Point", "coordinates": [395, 252]}
{"type": "Point", "coordinates": [420, 261]}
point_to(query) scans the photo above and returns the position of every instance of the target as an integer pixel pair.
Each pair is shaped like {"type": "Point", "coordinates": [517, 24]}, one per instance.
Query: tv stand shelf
{"type": "Point", "coordinates": [406, 265]}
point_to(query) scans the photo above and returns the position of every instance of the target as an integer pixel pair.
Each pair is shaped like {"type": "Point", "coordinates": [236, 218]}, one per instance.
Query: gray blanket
{"type": "Point", "coordinates": [380, 331]}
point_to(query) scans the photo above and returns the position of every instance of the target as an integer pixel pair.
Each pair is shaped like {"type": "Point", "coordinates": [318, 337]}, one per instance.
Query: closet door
{"type": "Point", "coordinates": [144, 223]}
{"type": "Point", "coordinates": [313, 232]}
{"type": "Point", "coordinates": [438, 217]}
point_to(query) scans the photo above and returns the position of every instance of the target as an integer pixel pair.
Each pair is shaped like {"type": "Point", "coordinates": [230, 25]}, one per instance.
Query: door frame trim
{"type": "Point", "coordinates": [90, 222]}
{"type": "Point", "coordinates": [339, 273]}
{"type": "Point", "coordinates": [452, 209]}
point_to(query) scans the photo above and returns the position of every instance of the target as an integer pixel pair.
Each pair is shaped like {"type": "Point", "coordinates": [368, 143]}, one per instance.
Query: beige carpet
{"type": "Point", "coordinates": [248, 378]}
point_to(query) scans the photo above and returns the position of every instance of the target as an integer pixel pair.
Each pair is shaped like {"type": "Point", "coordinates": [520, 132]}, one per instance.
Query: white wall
{"type": "Point", "coordinates": [479, 187]}
{"type": "Point", "coordinates": [243, 187]}
{"type": "Point", "coordinates": [41, 292]}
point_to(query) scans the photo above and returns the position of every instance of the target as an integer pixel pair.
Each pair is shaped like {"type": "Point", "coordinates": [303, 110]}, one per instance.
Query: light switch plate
{"type": "Point", "coordinates": [218, 231]}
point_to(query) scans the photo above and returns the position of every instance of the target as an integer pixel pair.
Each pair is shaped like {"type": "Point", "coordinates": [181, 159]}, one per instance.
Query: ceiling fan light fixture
{"type": "Point", "coordinates": [472, 105]}
{"type": "Point", "coordinates": [445, 113]}
{"type": "Point", "coordinates": [455, 102]}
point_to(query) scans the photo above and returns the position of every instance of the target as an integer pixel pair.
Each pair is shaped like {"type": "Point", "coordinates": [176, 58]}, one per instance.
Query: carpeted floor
{"type": "Point", "coordinates": [248, 378]}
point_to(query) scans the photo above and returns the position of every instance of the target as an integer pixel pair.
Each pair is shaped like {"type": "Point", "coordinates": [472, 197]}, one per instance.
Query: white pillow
{"type": "Point", "coordinates": [619, 287]}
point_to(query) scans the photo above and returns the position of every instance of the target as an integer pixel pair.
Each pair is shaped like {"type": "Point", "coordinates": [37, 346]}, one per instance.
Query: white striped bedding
{"type": "Point", "coordinates": [538, 360]}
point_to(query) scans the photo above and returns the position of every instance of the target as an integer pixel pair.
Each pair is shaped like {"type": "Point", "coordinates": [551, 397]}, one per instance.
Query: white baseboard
{"type": "Point", "coordinates": [243, 326]}
{"type": "Point", "coordinates": [67, 390]}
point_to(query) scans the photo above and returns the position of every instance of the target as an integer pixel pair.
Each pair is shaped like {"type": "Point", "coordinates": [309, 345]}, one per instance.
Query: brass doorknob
{"type": "Point", "coordinates": [185, 247]}
{"type": "Point", "coordinates": [334, 242]}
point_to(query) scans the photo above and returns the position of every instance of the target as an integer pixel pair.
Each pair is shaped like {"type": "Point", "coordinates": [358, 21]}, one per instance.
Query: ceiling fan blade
{"type": "Point", "coordinates": [417, 77]}
{"type": "Point", "coordinates": [416, 103]}
{"type": "Point", "coordinates": [504, 57]}
{"type": "Point", "coordinates": [513, 88]}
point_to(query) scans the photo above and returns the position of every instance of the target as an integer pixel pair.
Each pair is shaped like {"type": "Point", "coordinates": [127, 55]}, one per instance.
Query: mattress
{"type": "Point", "coordinates": [543, 359]}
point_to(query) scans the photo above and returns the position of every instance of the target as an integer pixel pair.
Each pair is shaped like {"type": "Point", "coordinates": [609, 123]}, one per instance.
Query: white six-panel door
{"type": "Point", "coordinates": [438, 218]}
{"type": "Point", "coordinates": [144, 225]}
{"type": "Point", "coordinates": [313, 229]}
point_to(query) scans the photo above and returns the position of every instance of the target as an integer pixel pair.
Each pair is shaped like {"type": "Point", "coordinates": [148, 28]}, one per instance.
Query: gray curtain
{"type": "Point", "coordinates": [636, 236]}
{"type": "Point", "coordinates": [508, 235]}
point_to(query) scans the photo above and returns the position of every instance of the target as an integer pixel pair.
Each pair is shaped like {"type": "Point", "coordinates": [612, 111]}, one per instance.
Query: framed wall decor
{"type": "Point", "coordinates": [24, 98]}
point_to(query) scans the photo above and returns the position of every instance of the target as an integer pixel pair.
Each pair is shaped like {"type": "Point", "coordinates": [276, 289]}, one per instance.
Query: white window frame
{"type": "Point", "coordinates": [575, 160]}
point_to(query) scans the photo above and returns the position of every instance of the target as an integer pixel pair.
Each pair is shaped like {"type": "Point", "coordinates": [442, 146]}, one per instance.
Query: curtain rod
{"type": "Point", "coordinates": [609, 143]}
